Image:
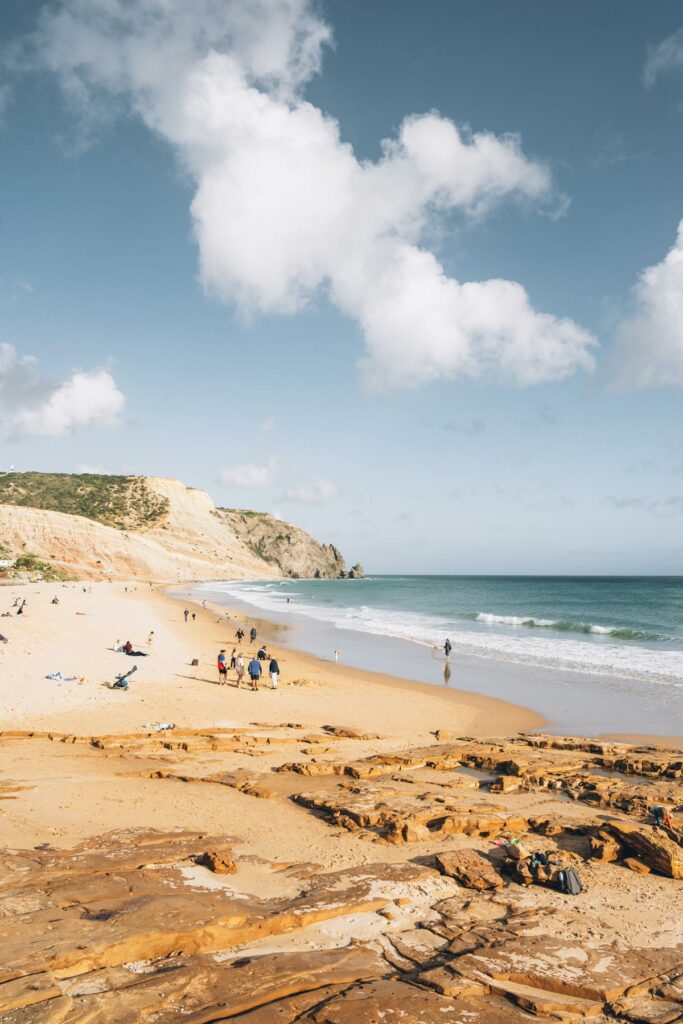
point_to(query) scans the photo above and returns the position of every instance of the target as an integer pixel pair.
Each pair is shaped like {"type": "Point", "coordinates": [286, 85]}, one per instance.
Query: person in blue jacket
{"type": "Point", "coordinates": [254, 669]}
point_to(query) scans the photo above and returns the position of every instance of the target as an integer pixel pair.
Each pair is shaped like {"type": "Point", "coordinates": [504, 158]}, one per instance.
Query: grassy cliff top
{"type": "Point", "coordinates": [125, 502]}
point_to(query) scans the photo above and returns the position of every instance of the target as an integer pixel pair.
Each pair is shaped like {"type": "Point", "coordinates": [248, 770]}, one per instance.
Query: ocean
{"type": "Point", "coordinates": [608, 628]}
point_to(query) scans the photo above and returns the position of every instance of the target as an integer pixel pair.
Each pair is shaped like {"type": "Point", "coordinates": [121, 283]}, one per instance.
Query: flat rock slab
{"type": "Point", "coordinates": [470, 868]}
{"type": "Point", "coordinates": [134, 905]}
{"type": "Point", "coordinates": [647, 1010]}
{"type": "Point", "coordinates": [599, 974]}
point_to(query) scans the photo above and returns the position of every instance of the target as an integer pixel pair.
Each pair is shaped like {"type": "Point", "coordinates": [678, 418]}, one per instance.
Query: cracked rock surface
{"type": "Point", "coordinates": [418, 894]}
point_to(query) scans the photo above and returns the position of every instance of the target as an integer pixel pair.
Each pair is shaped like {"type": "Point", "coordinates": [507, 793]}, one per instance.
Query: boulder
{"type": "Point", "coordinates": [605, 850]}
{"type": "Point", "coordinates": [653, 847]}
{"type": "Point", "coordinates": [636, 865]}
{"type": "Point", "coordinates": [220, 863]}
{"type": "Point", "coordinates": [413, 832]}
{"type": "Point", "coordinates": [470, 868]}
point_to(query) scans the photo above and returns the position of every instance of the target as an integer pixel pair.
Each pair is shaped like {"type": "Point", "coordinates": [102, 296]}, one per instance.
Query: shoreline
{"type": "Point", "coordinates": [541, 721]}
{"type": "Point", "coordinates": [75, 638]}
{"type": "Point", "coordinates": [516, 718]}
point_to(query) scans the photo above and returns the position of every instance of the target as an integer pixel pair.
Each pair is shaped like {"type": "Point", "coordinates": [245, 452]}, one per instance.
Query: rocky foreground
{"type": "Point", "coordinates": [448, 917]}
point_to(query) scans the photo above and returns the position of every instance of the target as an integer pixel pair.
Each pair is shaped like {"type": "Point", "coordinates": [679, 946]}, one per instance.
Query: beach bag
{"type": "Point", "coordinates": [570, 882]}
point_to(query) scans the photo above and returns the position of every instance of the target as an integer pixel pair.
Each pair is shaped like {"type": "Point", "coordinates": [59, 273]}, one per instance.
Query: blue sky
{"type": "Point", "coordinates": [218, 339]}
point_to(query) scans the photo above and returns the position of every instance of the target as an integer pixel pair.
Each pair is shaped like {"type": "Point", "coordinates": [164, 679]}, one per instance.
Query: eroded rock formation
{"type": "Point", "coordinates": [149, 927]}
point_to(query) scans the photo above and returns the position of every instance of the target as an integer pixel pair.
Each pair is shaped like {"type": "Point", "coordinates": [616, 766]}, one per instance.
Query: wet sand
{"type": "Point", "coordinates": [569, 702]}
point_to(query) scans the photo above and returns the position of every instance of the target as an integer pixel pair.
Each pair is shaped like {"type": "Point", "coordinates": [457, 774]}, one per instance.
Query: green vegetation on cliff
{"type": "Point", "coordinates": [125, 502]}
{"type": "Point", "coordinates": [39, 570]}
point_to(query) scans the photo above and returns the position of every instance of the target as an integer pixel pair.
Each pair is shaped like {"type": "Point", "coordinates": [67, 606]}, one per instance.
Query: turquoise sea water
{"type": "Point", "coordinates": [593, 655]}
{"type": "Point", "coordinates": [623, 626]}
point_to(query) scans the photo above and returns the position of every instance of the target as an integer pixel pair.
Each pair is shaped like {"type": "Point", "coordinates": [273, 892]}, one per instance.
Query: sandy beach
{"type": "Point", "coordinates": [305, 825]}
{"type": "Point", "coordinates": [76, 637]}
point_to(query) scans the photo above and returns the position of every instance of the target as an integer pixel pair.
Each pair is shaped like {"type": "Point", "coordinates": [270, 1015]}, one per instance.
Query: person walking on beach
{"type": "Point", "coordinates": [222, 668]}
{"type": "Point", "coordinates": [150, 638]}
{"type": "Point", "coordinates": [239, 635]}
{"type": "Point", "coordinates": [233, 658]}
{"type": "Point", "coordinates": [186, 614]}
{"type": "Point", "coordinates": [447, 648]}
{"type": "Point", "coordinates": [239, 669]}
{"type": "Point", "coordinates": [252, 634]}
{"type": "Point", "coordinates": [254, 672]}
{"type": "Point", "coordinates": [274, 670]}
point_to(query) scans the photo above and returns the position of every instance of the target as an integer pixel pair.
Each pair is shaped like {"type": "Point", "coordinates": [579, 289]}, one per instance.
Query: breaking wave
{"type": "Point", "coordinates": [607, 656]}
{"type": "Point", "coordinates": [565, 626]}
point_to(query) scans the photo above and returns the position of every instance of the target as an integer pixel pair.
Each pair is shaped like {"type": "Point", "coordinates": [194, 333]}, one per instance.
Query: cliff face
{"type": "Point", "coordinates": [289, 549]}
{"type": "Point", "coordinates": [149, 528]}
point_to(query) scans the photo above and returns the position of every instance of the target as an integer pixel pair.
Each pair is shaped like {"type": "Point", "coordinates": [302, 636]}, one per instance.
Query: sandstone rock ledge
{"type": "Point", "coordinates": [151, 927]}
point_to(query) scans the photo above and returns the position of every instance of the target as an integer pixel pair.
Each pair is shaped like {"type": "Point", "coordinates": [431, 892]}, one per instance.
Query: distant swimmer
{"type": "Point", "coordinates": [447, 648]}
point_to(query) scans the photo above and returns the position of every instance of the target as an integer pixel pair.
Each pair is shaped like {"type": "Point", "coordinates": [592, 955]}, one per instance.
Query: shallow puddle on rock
{"type": "Point", "coordinates": [251, 879]}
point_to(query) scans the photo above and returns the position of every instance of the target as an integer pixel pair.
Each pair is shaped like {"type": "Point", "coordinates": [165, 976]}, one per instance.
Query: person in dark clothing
{"type": "Point", "coordinates": [239, 635]}
{"type": "Point", "coordinates": [274, 671]}
{"type": "Point", "coordinates": [447, 648]}
{"type": "Point", "coordinates": [186, 614]}
{"type": "Point", "coordinates": [252, 634]}
{"type": "Point", "coordinates": [128, 649]}
{"type": "Point", "coordinates": [254, 673]}
{"type": "Point", "coordinates": [262, 653]}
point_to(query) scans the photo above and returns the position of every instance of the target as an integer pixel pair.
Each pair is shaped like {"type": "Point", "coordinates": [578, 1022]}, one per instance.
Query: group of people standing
{"type": "Point", "coordinates": [254, 668]}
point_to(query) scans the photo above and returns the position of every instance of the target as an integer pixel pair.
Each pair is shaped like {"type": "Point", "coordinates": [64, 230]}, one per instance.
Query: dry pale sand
{"type": "Point", "coordinates": [76, 637]}
{"type": "Point", "coordinates": [69, 796]}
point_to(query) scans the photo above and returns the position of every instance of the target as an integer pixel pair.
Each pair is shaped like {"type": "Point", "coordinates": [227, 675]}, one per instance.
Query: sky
{"type": "Point", "coordinates": [407, 275]}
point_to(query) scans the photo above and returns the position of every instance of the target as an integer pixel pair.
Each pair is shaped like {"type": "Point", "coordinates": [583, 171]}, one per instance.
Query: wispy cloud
{"type": "Point", "coordinates": [543, 416]}
{"type": "Point", "coordinates": [473, 427]}
{"type": "Point", "coordinates": [664, 58]}
{"type": "Point", "coordinates": [669, 506]}
{"type": "Point", "coordinates": [315, 492]}
{"type": "Point", "coordinates": [250, 475]}
{"type": "Point", "coordinates": [615, 150]}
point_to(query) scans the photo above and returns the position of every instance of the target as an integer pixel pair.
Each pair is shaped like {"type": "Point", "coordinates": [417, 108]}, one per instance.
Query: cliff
{"type": "Point", "coordinates": [148, 528]}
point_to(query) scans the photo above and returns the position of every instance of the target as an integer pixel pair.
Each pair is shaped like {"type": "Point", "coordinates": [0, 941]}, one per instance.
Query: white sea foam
{"type": "Point", "coordinates": [567, 626]}
{"type": "Point", "coordinates": [518, 645]}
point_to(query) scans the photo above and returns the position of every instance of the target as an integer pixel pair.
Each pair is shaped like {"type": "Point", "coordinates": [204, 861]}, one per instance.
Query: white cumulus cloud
{"type": "Point", "coordinates": [284, 210]}
{"type": "Point", "coordinates": [317, 492]}
{"type": "Point", "coordinates": [32, 405]}
{"type": "Point", "coordinates": [249, 474]}
{"type": "Point", "coordinates": [649, 344]}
